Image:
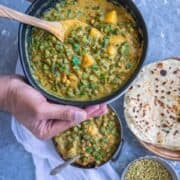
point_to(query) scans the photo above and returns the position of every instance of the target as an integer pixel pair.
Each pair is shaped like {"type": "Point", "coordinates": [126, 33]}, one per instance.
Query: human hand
{"type": "Point", "coordinates": [42, 118]}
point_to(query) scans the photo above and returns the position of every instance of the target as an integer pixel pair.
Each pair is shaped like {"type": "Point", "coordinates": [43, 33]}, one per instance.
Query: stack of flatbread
{"type": "Point", "coordinates": [152, 104]}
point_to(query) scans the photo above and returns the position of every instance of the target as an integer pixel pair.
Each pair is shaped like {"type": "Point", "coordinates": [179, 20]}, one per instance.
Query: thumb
{"type": "Point", "coordinates": [60, 112]}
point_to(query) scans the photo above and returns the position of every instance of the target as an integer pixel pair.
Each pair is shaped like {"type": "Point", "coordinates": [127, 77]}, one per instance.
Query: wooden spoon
{"type": "Point", "coordinates": [58, 28]}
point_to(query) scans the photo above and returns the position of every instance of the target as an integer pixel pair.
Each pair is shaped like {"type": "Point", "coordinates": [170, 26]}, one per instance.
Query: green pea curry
{"type": "Point", "coordinates": [93, 61]}
{"type": "Point", "coordinates": [95, 140]}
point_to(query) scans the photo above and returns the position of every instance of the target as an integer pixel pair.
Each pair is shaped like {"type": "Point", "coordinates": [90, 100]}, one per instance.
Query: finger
{"type": "Point", "coordinates": [98, 112]}
{"type": "Point", "coordinates": [91, 109]}
{"type": "Point", "coordinates": [102, 110]}
{"type": "Point", "coordinates": [54, 127]}
{"type": "Point", "coordinates": [59, 112]}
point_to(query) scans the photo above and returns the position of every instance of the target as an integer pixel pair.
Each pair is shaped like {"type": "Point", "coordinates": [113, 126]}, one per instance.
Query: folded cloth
{"type": "Point", "coordinates": [45, 157]}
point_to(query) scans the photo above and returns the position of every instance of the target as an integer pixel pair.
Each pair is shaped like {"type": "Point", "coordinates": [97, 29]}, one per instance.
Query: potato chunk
{"type": "Point", "coordinates": [73, 80]}
{"type": "Point", "coordinates": [112, 51]}
{"type": "Point", "coordinates": [95, 33]}
{"type": "Point", "coordinates": [87, 61]}
{"type": "Point", "coordinates": [111, 17]}
{"type": "Point", "coordinates": [93, 131]}
{"type": "Point", "coordinates": [117, 39]}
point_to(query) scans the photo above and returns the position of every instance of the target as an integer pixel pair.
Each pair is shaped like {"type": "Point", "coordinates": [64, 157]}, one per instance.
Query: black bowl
{"type": "Point", "coordinates": [115, 154]}
{"type": "Point", "coordinates": [37, 8]}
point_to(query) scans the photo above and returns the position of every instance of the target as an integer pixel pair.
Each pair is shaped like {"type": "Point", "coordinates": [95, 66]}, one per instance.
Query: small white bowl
{"type": "Point", "coordinates": [161, 161]}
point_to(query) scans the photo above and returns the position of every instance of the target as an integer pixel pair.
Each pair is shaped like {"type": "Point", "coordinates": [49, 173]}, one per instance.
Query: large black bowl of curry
{"type": "Point", "coordinates": [93, 65]}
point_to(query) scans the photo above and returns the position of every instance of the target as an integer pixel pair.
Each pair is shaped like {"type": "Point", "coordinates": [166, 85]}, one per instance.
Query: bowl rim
{"type": "Point", "coordinates": [107, 99]}
{"type": "Point", "coordinates": [114, 154]}
{"type": "Point", "coordinates": [164, 163]}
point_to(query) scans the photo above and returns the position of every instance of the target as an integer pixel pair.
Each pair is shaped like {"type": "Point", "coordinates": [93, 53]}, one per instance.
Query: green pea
{"type": "Point", "coordinates": [85, 159]}
{"type": "Point", "coordinates": [85, 40]}
{"type": "Point", "coordinates": [125, 49]}
{"type": "Point", "coordinates": [105, 42]}
{"type": "Point", "coordinates": [105, 140]}
{"type": "Point", "coordinates": [94, 67]}
{"type": "Point", "coordinates": [47, 53]}
{"type": "Point", "coordinates": [83, 93]}
{"type": "Point", "coordinates": [128, 66]}
{"type": "Point", "coordinates": [76, 47]}
{"type": "Point", "coordinates": [89, 150]}
{"type": "Point", "coordinates": [91, 85]}
{"type": "Point", "coordinates": [79, 14]}
{"type": "Point", "coordinates": [53, 68]}
{"type": "Point", "coordinates": [107, 28]}
{"type": "Point", "coordinates": [102, 130]}
{"type": "Point", "coordinates": [76, 61]}
{"type": "Point", "coordinates": [45, 67]}
{"type": "Point", "coordinates": [69, 13]}
{"type": "Point", "coordinates": [98, 157]}
{"type": "Point", "coordinates": [70, 93]}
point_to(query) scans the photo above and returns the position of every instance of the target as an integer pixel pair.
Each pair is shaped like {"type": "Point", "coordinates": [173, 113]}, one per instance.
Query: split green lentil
{"type": "Point", "coordinates": [147, 169]}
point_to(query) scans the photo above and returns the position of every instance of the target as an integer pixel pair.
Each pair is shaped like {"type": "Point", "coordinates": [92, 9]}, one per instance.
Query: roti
{"type": "Point", "coordinates": [152, 104]}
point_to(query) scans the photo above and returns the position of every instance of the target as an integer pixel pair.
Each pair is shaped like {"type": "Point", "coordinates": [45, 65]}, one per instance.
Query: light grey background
{"type": "Point", "coordinates": [163, 21]}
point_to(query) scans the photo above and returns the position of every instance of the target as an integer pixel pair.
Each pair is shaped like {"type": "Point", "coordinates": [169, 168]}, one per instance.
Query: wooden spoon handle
{"type": "Point", "coordinates": [12, 14]}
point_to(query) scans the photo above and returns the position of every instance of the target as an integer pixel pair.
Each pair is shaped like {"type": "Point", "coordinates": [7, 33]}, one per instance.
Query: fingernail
{"type": "Point", "coordinates": [79, 116]}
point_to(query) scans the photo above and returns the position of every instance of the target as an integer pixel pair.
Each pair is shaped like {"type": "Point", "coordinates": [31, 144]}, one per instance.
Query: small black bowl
{"type": "Point", "coordinates": [115, 154]}
{"type": "Point", "coordinates": [37, 8]}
